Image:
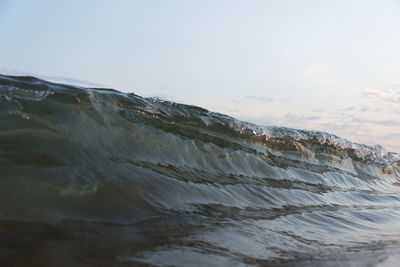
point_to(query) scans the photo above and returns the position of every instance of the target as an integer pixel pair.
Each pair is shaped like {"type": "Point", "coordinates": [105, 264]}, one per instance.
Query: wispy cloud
{"type": "Point", "coordinates": [299, 118]}
{"type": "Point", "coordinates": [262, 99]}
{"type": "Point", "coordinates": [318, 110]}
{"type": "Point", "coordinates": [390, 123]}
{"type": "Point", "coordinates": [385, 97]}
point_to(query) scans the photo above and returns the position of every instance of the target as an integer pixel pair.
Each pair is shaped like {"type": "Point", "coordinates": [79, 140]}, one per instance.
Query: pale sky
{"type": "Point", "coordinates": [321, 65]}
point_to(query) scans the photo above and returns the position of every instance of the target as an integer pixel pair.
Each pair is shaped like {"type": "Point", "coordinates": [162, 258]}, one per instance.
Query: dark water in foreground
{"type": "Point", "coordinates": [100, 178]}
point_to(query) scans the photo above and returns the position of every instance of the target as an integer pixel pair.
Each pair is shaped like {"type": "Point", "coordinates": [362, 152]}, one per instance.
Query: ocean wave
{"type": "Point", "coordinates": [147, 181]}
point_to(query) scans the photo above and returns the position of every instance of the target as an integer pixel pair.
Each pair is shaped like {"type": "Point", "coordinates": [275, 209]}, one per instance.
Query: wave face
{"type": "Point", "coordinates": [98, 177]}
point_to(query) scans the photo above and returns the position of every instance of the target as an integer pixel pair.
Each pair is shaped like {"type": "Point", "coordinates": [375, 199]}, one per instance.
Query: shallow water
{"type": "Point", "coordinates": [97, 177]}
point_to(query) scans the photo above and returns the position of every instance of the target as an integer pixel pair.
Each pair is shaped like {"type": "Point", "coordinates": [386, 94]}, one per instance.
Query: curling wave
{"type": "Point", "coordinates": [114, 178]}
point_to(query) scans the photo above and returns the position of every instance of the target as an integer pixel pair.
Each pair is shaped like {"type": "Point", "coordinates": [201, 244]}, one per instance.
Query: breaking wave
{"type": "Point", "coordinates": [96, 176]}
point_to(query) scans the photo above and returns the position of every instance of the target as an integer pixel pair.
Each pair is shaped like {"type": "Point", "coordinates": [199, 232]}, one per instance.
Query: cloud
{"type": "Point", "coordinates": [370, 94]}
{"type": "Point", "coordinates": [389, 123]}
{"type": "Point", "coordinates": [318, 110]}
{"type": "Point", "coordinates": [262, 99]}
{"type": "Point", "coordinates": [392, 135]}
{"type": "Point", "coordinates": [386, 122]}
{"type": "Point", "coordinates": [388, 97]}
{"type": "Point", "coordinates": [298, 118]}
